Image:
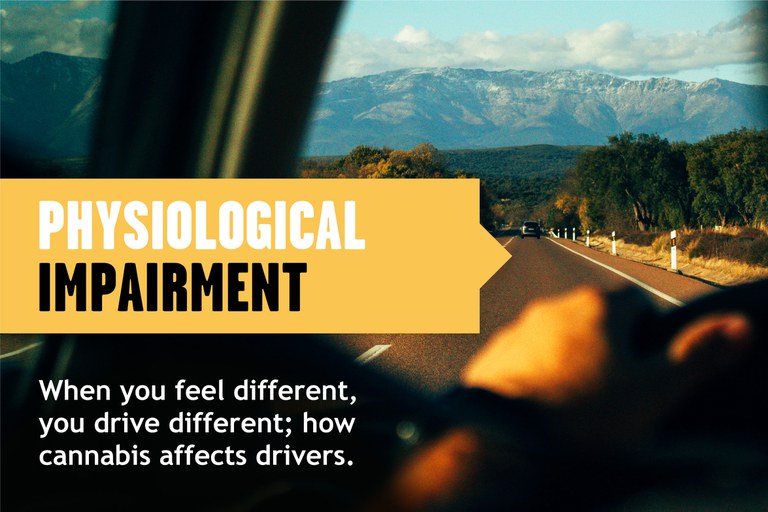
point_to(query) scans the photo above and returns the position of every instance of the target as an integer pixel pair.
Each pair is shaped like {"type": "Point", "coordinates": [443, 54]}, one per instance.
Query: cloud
{"type": "Point", "coordinates": [615, 47]}
{"type": "Point", "coordinates": [55, 27]}
{"type": "Point", "coordinates": [413, 35]}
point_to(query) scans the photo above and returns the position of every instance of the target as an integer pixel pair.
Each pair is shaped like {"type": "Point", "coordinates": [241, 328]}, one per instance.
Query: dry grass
{"type": "Point", "coordinates": [727, 257]}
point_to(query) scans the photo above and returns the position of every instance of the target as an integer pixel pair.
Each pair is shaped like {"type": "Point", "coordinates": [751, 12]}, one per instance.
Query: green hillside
{"type": "Point", "coordinates": [519, 182]}
{"type": "Point", "coordinates": [536, 161]}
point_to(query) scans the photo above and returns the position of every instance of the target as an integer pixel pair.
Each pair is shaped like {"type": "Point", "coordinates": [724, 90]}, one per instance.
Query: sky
{"type": "Point", "coordinates": [688, 40]}
{"type": "Point", "coordinates": [79, 28]}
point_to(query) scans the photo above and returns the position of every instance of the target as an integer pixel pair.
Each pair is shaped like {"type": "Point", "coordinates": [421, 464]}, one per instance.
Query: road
{"type": "Point", "coordinates": [538, 268]}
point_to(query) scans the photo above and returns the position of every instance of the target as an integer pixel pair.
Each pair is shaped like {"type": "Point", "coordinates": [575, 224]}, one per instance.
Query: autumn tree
{"type": "Point", "coordinates": [364, 155]}
{"type": "Point", "coordinates": [423, 161]}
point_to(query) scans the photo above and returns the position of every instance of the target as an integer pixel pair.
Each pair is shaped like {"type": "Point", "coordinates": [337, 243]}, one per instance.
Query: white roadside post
{"type": "Point", "coordinates": [573, 234]}
{"type": "Point", "coordinates": [613, 243]}
{"type": "Point", "coordinates": [587, 238]}
{"type": "Point", "coordinates": [673, 254]}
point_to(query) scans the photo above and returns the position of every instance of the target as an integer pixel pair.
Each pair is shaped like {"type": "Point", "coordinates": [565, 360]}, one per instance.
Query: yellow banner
{"type": "Point", "coordinates": [243, 256]}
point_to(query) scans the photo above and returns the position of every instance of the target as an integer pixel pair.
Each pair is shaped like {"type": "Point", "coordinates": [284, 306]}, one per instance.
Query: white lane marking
{"type": "Point", "coordinates": [24, 349]}
{"type": "Point", "coordinates": [508, 242]}
{"type": "Point", "coordinates": [371, 353]}
{"type": "Point", "coordinates": [639, 283]}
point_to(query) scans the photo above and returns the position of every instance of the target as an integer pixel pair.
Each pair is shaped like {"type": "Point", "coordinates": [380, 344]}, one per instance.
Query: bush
{"type": "Point", "coordinates": [747, 245]}
{"type": "Point", "coordinates": [757, 252]}
{"type": "Point", "coordinates": [642, 238]}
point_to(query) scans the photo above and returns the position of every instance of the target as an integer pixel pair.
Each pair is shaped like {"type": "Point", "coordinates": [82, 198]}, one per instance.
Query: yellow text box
{"type": "Point", "coordinates": [407, 256]}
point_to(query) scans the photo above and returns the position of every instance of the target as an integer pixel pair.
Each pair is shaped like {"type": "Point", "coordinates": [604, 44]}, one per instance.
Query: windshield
{"type": "Point", "coordinates": [534, 105]}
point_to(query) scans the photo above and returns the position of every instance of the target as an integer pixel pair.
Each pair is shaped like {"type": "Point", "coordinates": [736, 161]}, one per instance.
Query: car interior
{"type": "Point", "coordinates": [224, 90]}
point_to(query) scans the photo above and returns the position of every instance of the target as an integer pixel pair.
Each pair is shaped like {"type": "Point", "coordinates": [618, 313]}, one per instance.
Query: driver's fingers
{"type": "Point", "coordinates": [698, 353]}
{"type": "Point", "coordinates": [709, 345]}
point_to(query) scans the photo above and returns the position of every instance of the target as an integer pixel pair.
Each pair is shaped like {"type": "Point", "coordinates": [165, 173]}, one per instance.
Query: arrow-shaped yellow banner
{"type": "Point", "coordinates": [237, 256]}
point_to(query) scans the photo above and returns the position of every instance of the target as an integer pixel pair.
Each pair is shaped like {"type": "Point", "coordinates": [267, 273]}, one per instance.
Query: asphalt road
{"type": "Point", "coordinates": [538, 268]}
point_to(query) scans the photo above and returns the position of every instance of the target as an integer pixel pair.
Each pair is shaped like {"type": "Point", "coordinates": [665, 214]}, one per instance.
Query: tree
{"type": "Point", "coordinates": [643, 176]}
{"type": "Point", "coordinates": [363, 155]}
{"type": "Point", "coordinates": [729, 177]}
{"type": "Point", "coordinates": [710, 201]}
{"type": "Point", "coordinates": [742, 157]}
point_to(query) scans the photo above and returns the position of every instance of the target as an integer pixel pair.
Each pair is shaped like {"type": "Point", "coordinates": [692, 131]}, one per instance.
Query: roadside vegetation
{"type": "Point", "coordinates": [727, 256]}
{"type": "Point", "coordinates": [646, 183]}
{"type": "Point", "coordinates": [713, 192]}
{"type": "Point", "coordinates": [423, 161]}
{"type": "Point", "coordinates": [516, 183]}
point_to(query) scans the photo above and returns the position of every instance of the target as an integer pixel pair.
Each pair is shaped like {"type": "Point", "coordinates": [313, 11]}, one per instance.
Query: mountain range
{"type": "Point", "coordinates": [472, 108]}
{"type": "Point", "coordinates": [48, 104]}
{"type": "Point", "coordinates": [50, 100]}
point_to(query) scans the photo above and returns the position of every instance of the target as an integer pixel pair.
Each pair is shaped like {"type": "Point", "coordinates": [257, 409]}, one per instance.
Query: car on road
{"type": "Point", "coordinates": [530, 228]}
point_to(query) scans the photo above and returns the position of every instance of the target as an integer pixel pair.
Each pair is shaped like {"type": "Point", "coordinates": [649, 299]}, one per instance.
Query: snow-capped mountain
{"type": "Point", "coordinates": [49, 103]}
{"type": "Point", "coordinates": [463, 108]}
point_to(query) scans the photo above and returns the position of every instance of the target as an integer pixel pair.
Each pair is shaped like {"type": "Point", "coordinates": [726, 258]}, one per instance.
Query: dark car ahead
{"type": "Point", "coordinates": [530, 228]}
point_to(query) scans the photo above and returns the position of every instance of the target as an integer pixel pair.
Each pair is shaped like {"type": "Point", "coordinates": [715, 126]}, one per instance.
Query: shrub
{"type": "Point", "coordinates": [757, 252]}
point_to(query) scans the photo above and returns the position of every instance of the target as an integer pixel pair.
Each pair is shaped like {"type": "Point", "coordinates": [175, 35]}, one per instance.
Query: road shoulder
{"type": "Point", "coordinates": [675, 285]}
